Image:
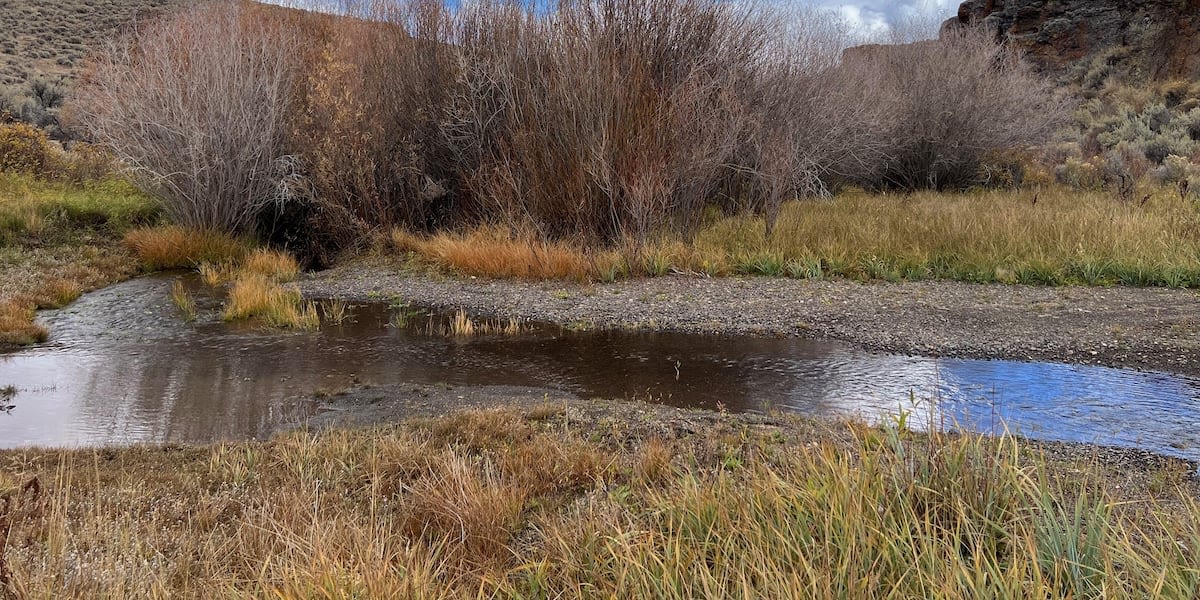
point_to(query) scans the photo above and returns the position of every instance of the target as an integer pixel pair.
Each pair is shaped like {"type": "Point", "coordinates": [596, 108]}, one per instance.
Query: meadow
{"type": "Point", "coordinates": [550, 502]}
{"type": "Point", "coordinates": [1054, 235]}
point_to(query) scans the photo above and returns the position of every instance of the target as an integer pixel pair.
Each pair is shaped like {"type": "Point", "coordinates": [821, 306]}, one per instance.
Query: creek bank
{"type": "Point", "coordinates": [1140, 328]}
{"type": "Point", "coordinates": [1129, 470]}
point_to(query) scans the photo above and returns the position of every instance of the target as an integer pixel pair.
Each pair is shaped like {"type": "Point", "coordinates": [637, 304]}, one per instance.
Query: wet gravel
{"type": "Point", "coordinates": [1144, 328]}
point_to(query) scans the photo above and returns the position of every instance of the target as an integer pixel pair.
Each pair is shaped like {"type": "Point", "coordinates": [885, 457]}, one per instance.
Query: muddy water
{"type": "Point", "coordinates": [122, 367]}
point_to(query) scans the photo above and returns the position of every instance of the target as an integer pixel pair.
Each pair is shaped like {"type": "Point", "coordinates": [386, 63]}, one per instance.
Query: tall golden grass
{"type": "Point", "coordinates": [496, 504]}
{"type": "Point", "coordinates": [255, 296]}
{"type": "Point", "coordinates": [183, 300]}
{"type": "Point", "coordinates": [494, 252]}
{"type": "Point", "coordinates": [257, 274]}
{"type": "Point", "coordinates": [1055, 235]}
{"type": "Point", "coordinates": [273, 265]}
{"type": "Point", "coordinates": [175, 247]}
{"type": "Point", "coordinates": [1052, 236]}
{"type": "Point", "coordinates": [462, 325]}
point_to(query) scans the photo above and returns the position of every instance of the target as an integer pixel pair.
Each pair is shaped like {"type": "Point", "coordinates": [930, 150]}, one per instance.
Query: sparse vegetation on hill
{"type": "Point", "coordinates": [43, 44]}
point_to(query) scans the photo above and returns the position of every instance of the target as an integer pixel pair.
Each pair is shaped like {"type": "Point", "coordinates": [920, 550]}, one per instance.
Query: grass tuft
{"type": "Point", "coordinates": [334, 311]}
{"type": "Point", "coordinates": [493, 252]}
{"type": "Point", "coordinates": [17, 327]}
{"type": "Point", "coordinates": [183, 300]}
{"type": "Point", "coordinates": [216, 275]}
{"type": "Point", "coordinates": [276, 266]}
{"type": "Point", "coordinates": [462, 325]}
{"type": "Point", "coordinates": [174, 247]}
{"type": "Point", "coordinates": [560, 504]}
{"type": "Point", "coordinates": [254, 296]}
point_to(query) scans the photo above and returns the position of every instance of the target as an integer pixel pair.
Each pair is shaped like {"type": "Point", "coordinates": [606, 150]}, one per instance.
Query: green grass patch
{"type": "Point", "coordinates": [40, 211]}
{"type": "Point", "coordinates": [1067, 238]}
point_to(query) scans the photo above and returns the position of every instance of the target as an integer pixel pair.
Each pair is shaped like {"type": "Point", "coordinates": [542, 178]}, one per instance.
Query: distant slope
{"type": "Point", "coordinates": [44, 42]}
{"type": "Point", "coordinates": [1136, 40]}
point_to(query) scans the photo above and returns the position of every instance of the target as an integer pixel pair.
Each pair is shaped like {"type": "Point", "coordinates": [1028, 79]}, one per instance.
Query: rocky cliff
{"type": "Point", "coordinates": [1073, 39]}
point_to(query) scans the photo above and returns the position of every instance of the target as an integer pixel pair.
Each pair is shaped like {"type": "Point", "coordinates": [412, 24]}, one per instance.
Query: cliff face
{"type": "Point", "coordinates": [1136, 39]}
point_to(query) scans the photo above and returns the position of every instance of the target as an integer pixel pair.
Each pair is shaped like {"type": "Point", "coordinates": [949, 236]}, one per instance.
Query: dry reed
{"type": "Point", "coordinates": [174, 247]}
{"type": "Point", "coordinates": [495, 504]}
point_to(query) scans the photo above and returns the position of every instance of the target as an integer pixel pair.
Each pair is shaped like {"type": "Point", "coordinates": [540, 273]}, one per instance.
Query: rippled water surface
{"type": "Point", "coordinates": [122, 367]}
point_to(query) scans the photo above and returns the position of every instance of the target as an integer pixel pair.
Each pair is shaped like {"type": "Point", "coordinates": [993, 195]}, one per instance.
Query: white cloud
{"type": "Point", "coordinates": [866, 22]}
{"type": "Point", "coordinates": [873, 18]}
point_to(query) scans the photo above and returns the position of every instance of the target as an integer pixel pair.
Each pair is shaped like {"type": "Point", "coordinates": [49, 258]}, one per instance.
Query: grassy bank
{"type": "Point", "coordinates": [549, 503]}
{"type": "Point", "coordinates": [1065, 237]}
{"type": "Point", "coordinates": [58, 240]}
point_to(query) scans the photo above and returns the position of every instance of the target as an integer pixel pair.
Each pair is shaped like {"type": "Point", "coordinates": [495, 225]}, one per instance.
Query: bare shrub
{"type": "Point", "coordinates": [954, 100]}
{"type": "Point", "coordinates": [368, 126]}
{"type": "Point", "coordinates": [195, 104]}
{"type": "Point", "coordinates": [812, 126]}
{"type": "Point", "coordinates": [606, 120]}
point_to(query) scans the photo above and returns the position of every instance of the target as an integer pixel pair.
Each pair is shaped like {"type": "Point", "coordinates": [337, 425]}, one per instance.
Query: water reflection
{"type": "Point", "coordinates": [123, 368]}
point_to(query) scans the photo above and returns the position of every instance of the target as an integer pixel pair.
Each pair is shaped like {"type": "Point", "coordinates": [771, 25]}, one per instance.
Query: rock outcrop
{"type": "Point", "coordinates": [1135, 39]}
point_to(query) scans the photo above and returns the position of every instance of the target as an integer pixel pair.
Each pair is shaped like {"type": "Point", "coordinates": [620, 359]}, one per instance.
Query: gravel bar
{"type": "Point", "coordinates": [1142, 328]}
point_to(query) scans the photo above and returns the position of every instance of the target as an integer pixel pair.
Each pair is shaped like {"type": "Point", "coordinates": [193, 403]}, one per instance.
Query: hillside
{"type": "Point", "coordinates": [43, 42]}
{"type": "Point", "coordinates": [1077, 40]}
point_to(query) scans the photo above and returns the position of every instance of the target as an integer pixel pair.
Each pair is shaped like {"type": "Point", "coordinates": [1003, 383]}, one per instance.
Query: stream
{"type": "Point", "coordinates": [122, 367]}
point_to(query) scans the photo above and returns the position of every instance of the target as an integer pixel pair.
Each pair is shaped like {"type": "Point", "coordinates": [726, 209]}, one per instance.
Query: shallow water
{"type": "Point", "coordinates": [122, 367]}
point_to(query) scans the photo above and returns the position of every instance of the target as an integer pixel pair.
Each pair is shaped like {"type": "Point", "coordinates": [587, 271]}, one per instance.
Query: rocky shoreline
{"type": "Point", "coordinates": [1141, 328]}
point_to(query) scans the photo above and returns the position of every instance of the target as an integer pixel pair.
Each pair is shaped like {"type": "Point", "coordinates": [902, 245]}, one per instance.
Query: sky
{"type": "Point", "coordinates": [867, 18]}
{"type": "Point", "coordinates": [878, 17]}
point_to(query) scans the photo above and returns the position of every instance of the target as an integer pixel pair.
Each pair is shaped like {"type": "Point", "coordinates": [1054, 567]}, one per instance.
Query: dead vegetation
{"type": "Point", "coordinates": [563, 503]}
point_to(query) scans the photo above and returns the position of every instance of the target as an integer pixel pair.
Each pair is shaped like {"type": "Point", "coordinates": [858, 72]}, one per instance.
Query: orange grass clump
{"type": "Point", "coordinates": [17, 326]}
{"type": "Point", "coordinates": [174, 247]}
{"type": "Point", "coordinates": [255, 296]}
{"type": "Point", "coordinates": [491, 252]}
{"type": "Point", "coordinates": [272, 264]}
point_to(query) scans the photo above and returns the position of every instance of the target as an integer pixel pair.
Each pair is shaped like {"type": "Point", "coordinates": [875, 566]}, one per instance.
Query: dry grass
{"type": "Point", "coordinates": [493, 252]}
{"type": "Point", "coordinates": [496, 504]}
{"type": "Point", "coordinates": [258, 291]}
{"type": "Point", "coordinates": [216, 275]}
{"type": "Point", "coordinates": [1065, 237]}
{"type": "Point", "coordinates": [183, 300]}
{"type": "Point", "coordinates": [274, 265]}
{"type": "Point", "coordinates": [32, 279]}
{"type": "Point", "coordinates": [254, 296]}
{"type": "Point", "coordinates": [17, 327]}
{"type": "Point", "coordinates": [174, 247]}
{"type": "Point", "coordinates": [462, 325]}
